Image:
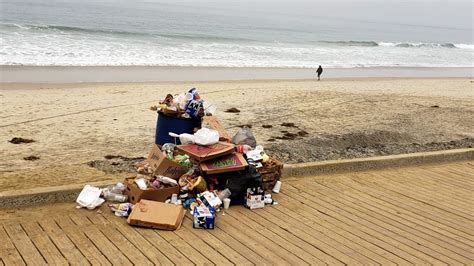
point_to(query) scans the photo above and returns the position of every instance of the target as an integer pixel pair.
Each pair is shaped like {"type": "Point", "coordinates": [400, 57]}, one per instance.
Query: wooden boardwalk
{"type": "Point", "coordinates": [422, 215]}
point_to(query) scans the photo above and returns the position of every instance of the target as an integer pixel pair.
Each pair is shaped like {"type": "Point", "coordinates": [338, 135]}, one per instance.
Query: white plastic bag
{"type": "Point", "coordinates": [206, 136]}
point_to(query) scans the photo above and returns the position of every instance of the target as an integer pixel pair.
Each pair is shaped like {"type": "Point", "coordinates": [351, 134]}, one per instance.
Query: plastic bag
{"type": "Point", "coordinates": [184, 138]}
{"type": "Point", "coordinates": [206, 136]}
{"type": "Point", "coordinates": [244, 136]}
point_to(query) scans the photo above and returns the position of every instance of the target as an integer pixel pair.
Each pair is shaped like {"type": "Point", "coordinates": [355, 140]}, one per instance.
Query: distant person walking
{"type": "Point", "coordinates": [319, 71]}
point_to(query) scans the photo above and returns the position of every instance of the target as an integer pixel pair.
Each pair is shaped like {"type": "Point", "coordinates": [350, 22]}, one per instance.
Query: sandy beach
{"type": "Point", "coordinates": [76, 123]}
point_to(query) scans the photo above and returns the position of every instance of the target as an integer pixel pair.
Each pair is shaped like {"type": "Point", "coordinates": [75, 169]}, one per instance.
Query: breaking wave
{"type": "Point", "coordinates": [399, 44]}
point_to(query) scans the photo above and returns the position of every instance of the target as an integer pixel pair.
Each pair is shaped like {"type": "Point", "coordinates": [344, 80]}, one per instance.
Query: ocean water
{"type": "Point", "coordinates": [236, 33]}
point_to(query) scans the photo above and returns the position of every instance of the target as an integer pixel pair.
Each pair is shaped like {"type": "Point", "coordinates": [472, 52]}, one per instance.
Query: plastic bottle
{"type": "Point", "coordinates": [243, 148]}
{"type": "Point", "coordinates": [224, 194]}
{"type": "Point", "coordinates": [110, 196]}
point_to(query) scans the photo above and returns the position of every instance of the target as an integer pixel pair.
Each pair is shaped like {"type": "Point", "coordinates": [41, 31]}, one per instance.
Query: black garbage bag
{"type": "Point", "coordinates": [238, 182]}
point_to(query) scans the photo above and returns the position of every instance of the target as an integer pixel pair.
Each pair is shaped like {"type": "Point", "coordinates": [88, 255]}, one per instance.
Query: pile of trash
{"type": "Point", "coordinates": [209, 170]}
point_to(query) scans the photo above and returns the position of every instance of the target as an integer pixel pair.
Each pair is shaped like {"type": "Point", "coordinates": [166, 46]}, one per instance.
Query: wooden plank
{"type": "Point", "coordinates": [22, 242]}
{"type": "Point", "coordinates": [353, 232]}
{"type": "Point", "coordinates": [419, 193]}
{"type": "Point", "coordinates": [107, 248]}
{"type": "Point", "coordinates": [435, 253]}
{"type": "Point", "coordinates": [62, 242]}
{"type": "Point", "coordinates": [421, 208]}
{"type": "Point", "coordinates": [314, 220]}
{"type": "Point", "coordinates": [439, 177]}
{"type": "Point", "coordinates": [461, 214]}
{"type": "Point", "coordinates": [210, 252]}
{"type": "Point", "coordinates": [446, 178]}
{"type": "Point", "coordinates": [258, 235]}
{"type": "Point", "coordinates": [80, 240]}
{"type": "Point", "coordinates": [44, 245]}
{"type": "Point", "coordinates": [8, 252]}
{"type": "Point", "coordinates": [189, 251]}
{"type": "Point", "coordinates": [326, 253]}
{"type": "Point", "coordinates": [337, 210]}
{"type": "Point", "coordinates": [412, 220]}
{"type": "Point", "coordinates": [164, 246]}
{"type": "Point", "coordinates": [132, 252]}
{"type": "Point", "coordinates": [220, 244]}
{"type": "Point", "coordinates": [264, 228]}
{"type": "Point", "coordinates": [241, 248]}
{"type": "Point", "coordinates": [293, 239]}
{"type": "Point", "coordinates": [254, 242]}
{"type": "Point", "coordinates": [150, 251]}
{"type": "Point", "coordinates": [431, 179]}
{"type": "Point", "coordinates": [381, 213]}
{"type": "Point", "coordinates": [417, 210]}
{"type": "Point", "coordinates": [368, 233]}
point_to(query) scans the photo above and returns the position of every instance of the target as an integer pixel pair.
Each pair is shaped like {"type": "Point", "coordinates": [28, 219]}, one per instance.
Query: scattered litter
{"type": "Point", "coordinates": [157, 215]}
{"type": "Point", "coordinates": [277, 187]}
{"type": "Point", "coordinates": [196, 168]}
{"type": "Point", "coordinates": [90, 197]}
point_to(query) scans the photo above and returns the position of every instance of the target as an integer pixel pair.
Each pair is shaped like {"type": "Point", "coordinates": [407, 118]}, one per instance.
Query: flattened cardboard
{"type": "Point", "coordinates": [213, 123]}
{"type": "Point", "coordinates": [156, 215]}
{"type": "Point", "coordinates": [135, 194]}
{"type": "Point", "coordinates": [227, 163]}
{"type": "Point", "coordinates": [162, 166]}
{"type": "Point", "coordinates": [204, 153]}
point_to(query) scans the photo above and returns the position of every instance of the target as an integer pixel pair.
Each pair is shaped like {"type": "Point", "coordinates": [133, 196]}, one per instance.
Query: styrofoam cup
{"type": "Point", "coordinates": [277, 187]}
{"type": "Point", "coordinates": [226, 203]}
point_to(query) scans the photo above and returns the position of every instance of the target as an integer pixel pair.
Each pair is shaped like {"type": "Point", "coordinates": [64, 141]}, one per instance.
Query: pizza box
{"type": "Point", "coordinates": [204, 153]}
{"type": "Point", "coordinates": [227, 163]}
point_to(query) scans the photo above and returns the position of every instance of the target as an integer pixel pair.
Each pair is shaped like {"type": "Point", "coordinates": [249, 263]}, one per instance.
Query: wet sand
{"type": "Point", "coordinates": [78, 74]}
{"type": "Point", "coordinates": [73, 124]}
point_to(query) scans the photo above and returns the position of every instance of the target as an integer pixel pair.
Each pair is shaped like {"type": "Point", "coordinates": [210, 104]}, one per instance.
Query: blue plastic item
{"type": "Point", "coordinates": [166, 124]}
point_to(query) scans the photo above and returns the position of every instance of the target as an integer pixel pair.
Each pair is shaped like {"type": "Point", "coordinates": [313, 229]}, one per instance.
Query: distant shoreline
{"type": "Point", "coordinates": [81, 74]}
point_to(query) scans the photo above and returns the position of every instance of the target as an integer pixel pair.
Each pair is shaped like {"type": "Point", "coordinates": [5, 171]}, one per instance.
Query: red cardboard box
{"type": "Point", "coordinates": [227, 163]}
{"type": "Point", "coordinates": [204, 153]}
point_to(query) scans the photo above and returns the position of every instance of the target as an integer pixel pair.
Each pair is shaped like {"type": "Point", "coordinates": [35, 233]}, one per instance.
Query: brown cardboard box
{"type": "Point", "coordinates": [162, 166]}
{"type": "Point", "coordinates": [157, 215]}
{"type": "Point", "coordinates": [135, 194]}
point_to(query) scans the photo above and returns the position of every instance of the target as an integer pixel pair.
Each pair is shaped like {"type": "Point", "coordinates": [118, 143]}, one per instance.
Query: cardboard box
{"type": "Point", "coordinates": [156, 215]}
{"type": "Point", "coordinates": [204, 217]}
{"type": "Point", "coordinates": [135, 194]}
{"type": "Point", "coordinates": [162, 166]}
{"type": "Point", "coordinates": [204, 153]}
{"type": "Point", "coordinates": [255, 198]}
{"type": "Point", "coordinates": [227, 163]}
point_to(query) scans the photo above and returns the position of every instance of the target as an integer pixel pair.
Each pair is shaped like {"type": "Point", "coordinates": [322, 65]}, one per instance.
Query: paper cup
{"type": "Point", "coordinates": [226, 203]}
{"type": "Point", "coordinates": [277, 187]}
